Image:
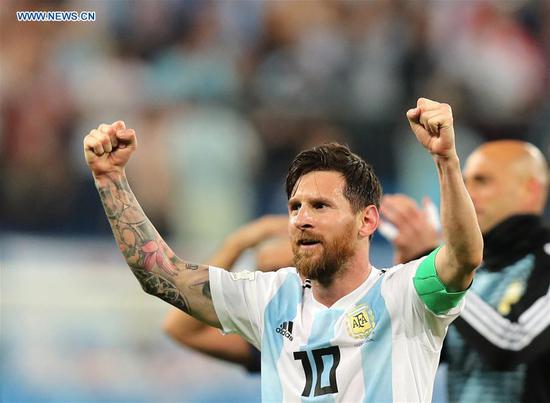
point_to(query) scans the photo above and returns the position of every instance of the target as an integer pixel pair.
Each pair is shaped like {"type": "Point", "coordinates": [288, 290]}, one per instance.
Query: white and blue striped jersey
{"type": "Point", "coordinates": [379, 343]}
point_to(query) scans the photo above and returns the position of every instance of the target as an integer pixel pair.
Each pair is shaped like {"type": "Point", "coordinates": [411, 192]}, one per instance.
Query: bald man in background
{"type": "Point", "coordinates": [499, 348]}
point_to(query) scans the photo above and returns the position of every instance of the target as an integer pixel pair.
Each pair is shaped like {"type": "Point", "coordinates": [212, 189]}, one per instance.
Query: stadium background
{"type": "Point", "coordinates": [222, 95]}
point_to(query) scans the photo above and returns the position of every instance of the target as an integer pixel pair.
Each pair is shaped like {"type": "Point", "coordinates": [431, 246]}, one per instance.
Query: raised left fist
{"type": "Point", "coordinates": [432, 124]}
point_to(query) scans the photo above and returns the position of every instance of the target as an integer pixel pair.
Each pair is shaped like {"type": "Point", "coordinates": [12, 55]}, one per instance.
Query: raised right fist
{"type": "Point", "coordinates": [108, 148]}
{"type": "Point", "coordinates": [432, 124]}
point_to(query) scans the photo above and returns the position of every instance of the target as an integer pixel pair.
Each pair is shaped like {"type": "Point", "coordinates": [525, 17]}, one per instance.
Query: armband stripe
{"type": "Point", "coordinates": [431, 290]}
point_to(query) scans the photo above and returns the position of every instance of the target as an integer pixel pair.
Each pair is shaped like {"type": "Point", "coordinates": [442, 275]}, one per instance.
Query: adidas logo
{"type": "Point", "coordinates": [285, 329]}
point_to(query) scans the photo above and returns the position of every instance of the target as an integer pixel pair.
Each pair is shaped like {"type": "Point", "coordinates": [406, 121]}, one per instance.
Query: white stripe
{"type": "Point", "coordinates": [503, 327]}
{"type": "Point", "coordinates": [527, 320]}
{"type": "Point", "coordinates": [502, 332]}
{"type": "Point", "coordinates": [509, 330]}
{"type": "Point", "coordinates": [489, 313]}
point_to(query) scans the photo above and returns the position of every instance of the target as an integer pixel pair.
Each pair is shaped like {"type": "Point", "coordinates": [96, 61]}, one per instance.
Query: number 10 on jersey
{"type": "Point", "coordinates": [318, 354]}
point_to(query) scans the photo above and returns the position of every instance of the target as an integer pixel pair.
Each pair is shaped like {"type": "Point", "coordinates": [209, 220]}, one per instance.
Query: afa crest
{"type": "Point", "coordinates": [361, 322]}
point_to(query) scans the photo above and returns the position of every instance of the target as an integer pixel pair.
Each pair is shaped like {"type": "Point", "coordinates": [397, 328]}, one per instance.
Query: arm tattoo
{"type": "Point", "coordinates": [156, 285]}
{"type": "Point", "coordinates": [205, 288]}
{"type": "Point", "coordinates": [150, 259]}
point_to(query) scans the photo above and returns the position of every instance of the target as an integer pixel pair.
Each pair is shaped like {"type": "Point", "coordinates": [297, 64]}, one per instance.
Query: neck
{"type": "Point", "coordinates": [351, 276]}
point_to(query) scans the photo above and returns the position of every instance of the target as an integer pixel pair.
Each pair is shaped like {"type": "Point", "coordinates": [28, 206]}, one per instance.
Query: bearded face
{"type": "Point", "coordinates": [323, 228]}
{"type": "Point", "coordinates": [321, 258]}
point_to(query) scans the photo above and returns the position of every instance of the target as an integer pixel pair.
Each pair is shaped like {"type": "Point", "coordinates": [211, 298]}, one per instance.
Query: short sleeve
{"type": "Point", "coordinates": [240, 299]}
{"type": "Point", "coordinates": [411, 316]}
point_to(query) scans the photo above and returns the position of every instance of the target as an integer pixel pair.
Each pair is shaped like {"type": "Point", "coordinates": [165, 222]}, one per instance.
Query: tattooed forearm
{"type": "Point", "coordinates": [159, 271]}
{"type": "Point", "coordinates": [156, 285]}
{"type": "Point", "coordinates": [137, 238]}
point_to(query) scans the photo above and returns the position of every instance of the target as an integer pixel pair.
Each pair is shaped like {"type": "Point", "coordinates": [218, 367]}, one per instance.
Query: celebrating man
{"type": "Point", "coordinates": [334, 325]}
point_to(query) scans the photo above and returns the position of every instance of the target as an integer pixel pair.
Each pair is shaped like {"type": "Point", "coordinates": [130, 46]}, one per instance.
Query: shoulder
{"type": "Point", "coordinates": [403, 269]}
{"type": "Point", "coordinates": [399, 277]}
{"type": "Point", "coordinates": [258, 278]}
{"type": "Point", "coordinates": [285, 273]}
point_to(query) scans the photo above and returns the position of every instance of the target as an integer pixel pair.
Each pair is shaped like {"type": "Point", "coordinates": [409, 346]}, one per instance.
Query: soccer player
{"type": "Point", "coordinates": [498, 350]}
{"type": "Point", "coordinates": [334, 327]}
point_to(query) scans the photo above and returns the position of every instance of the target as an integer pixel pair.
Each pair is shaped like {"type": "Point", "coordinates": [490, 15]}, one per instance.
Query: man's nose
{"type": "Point", "coordinates": [303, 218]}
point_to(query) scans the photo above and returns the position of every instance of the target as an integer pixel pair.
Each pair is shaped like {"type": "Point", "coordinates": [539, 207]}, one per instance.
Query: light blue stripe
{"type": "Point", "coordinates": [322, 333]}
{"type": "Point", "coordinates": [377, 350]}
{"type": "Point", "coordinates": [328, 360]}
{"type": "Point", "coordinates": [282, 307]}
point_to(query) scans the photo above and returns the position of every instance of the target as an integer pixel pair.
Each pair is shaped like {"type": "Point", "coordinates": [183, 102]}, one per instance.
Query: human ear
{"type": "Point", "coordinates": [370, 218]}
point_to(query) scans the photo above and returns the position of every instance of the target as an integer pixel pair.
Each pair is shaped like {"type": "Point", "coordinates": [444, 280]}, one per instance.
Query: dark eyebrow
{"type": "Point", "coordinates": [322, 200]}
{"type": "Point", "coordinates": [314, 200]}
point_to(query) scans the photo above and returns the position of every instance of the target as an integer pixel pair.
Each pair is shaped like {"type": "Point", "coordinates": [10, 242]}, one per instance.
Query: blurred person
{"type": "Point", "coordinates": [499, 348]}
{"type": "Point", "coordinates": [197, 66]}
{"type": "Point", "coordinates": [312, 321]}
{"type": "Point", "coordinates": [495, 60]}
{"type": "Point", "coordinates": [225, 146]}
{"type": "Point", "coordinates": [269, 235]}
{"type": "Point", "coordinates": [299, 63]}
{"type": "Point", "coordinates": [38, 190]}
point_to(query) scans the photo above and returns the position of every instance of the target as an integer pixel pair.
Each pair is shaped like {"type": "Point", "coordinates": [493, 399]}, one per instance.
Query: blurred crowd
{"type": "Point", "coordinates": [223, 94]}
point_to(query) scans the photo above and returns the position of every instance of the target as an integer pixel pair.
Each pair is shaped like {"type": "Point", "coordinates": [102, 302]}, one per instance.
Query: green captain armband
{"type": "Point", "coordinates": [430, 288]}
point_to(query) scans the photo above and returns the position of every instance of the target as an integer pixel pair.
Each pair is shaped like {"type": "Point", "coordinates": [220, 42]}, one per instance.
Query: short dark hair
{"type": "Point", "coordinates": [362, 187]}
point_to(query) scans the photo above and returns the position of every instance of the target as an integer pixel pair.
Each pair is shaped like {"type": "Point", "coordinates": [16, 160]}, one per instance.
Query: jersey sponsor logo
{"type": "Point", "coordinates": [285, 329]}
{"type": "Point", "coordinates": [243, 275]}
{"type": "Point", "coordinates": [361, 322]}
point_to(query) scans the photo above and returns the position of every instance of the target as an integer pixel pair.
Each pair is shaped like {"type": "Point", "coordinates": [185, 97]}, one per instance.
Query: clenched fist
{"type": "Point", "coordinates": [108, 148]}
{"type": "Point", "coordinates": [432, 124]}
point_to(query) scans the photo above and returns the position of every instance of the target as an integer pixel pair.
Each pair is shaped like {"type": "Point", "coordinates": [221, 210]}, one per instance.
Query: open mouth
{"type": "Point", "coordinates": [308, 242]}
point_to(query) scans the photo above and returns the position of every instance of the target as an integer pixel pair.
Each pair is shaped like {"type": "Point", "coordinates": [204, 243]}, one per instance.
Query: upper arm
{"type": "Point", "coordinates": [454, 275]}
{"type": "Point", "coordinates": [182, 327]}
{"type": "Point", "coordinates": [431, 288]}
{"type": "Point", "coordinates": [193, 284]}
{"type": "Point", "coordinates": [187, 288]}
{"type": "Point", "coordinates": [208, 340]}
{"type": "Point", "coordinates": [229, 347]}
